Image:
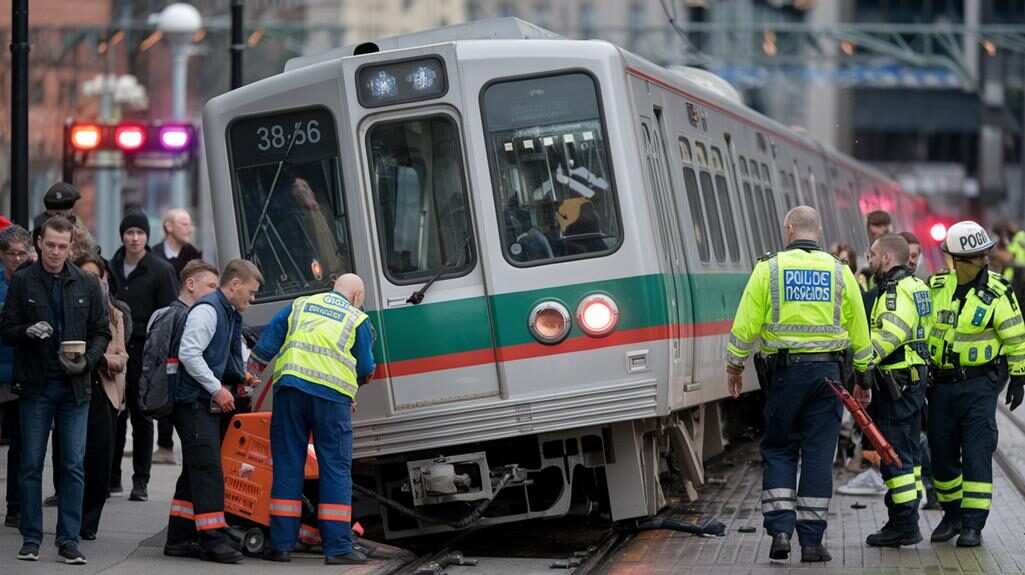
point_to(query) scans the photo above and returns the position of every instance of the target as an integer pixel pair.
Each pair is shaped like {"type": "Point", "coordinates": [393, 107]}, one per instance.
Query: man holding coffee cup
{"type": "Point", "coordinates": [55, 317]}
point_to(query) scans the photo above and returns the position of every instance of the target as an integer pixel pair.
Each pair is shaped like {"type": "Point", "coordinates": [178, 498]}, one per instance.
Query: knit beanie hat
{"type": "Point", "coordinates": [135, 219]}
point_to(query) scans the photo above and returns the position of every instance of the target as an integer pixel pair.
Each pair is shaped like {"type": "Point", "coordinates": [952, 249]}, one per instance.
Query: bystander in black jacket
{"type": "Point", "coordinates": [85, 319]}
{"type": "Point", "coordinates": [188, 253]}
{"type": "Point", "coordinates": [151, 286]}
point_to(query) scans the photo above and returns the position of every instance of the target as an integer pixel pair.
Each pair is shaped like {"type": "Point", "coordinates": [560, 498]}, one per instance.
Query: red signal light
{"type": "Point", "coordinates": [938, 231]}
{"type": "Point", "coordinates": [85, 137]}
{"type": "Point", "coordinates": [597, 315]}
{"type": "Point", "coordinates": [129, 137]}
{"type": "Point", "coordinates": [175, 138]}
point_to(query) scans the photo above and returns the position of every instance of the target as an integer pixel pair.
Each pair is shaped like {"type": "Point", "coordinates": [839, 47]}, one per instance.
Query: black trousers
{"type": "Point", "coordinates": [99, 453]}
{"type": "Point", "coordinates": [142, 426]}
{"type": "Point", "coordinates": [197, 508]}
{"type": "Point", "coordinates": [12, 430]}
{"type": "Point", "coordinates": [165, 432]}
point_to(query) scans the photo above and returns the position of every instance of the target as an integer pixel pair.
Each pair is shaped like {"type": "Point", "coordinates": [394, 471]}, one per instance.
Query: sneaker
{"type": "Point", "coordinates": [116, 491]}
{"type": "Point", "coordinates": [70, 554]}
{"type": "Point", "coordinates": [868, 482]}
{"type": "Point", "coordinates": [164, 456]}
{"type": "Point", "coordinates": [12, 520]}
{"type": "Point", "coordinates": [29, 552]}
{"type": "Point", "coordinates": [139, 494]}
{"type": "Point", "coordinates": [50, 501]}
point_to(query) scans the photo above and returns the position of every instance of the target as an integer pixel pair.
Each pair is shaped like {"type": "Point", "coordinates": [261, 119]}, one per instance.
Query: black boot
{"type": "Point", "coordinates": [948, 528]}
{"type": "Point", "coordinates": [815, 553]}
{"type": "Point", "coordinates": [970, 537]}
{"type": "Point", "coordinates": [351, 558]}
{"type": "Point", "coordinates": [221, 553]}
{"type": "Point", "coordinates": [890, 536]}
{"type": "Point", "coordinates": [780, 546]}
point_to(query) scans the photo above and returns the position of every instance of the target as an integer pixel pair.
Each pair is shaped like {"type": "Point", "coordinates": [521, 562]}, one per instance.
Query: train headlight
{"type": "Point", "coordinates": [549, 322]}
{"type": "Point", "coordinates": [597, 315]}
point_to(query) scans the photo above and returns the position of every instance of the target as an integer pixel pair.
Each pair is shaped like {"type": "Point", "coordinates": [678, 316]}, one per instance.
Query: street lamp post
{"type": "Point", "coordinates": [179, 22]}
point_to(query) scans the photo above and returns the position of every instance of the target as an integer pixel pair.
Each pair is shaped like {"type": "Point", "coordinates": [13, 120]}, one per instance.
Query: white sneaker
{"type": "Point", "coordinates": [164, 456]}
{"type": "Point", "coordinates": [868, 482]}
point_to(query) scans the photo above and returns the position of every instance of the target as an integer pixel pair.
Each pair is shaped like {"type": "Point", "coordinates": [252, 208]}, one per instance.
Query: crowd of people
{"type": "Point", "coordinates": [89, 344]}
{"type": "Point", "coordinates": [956, 340]}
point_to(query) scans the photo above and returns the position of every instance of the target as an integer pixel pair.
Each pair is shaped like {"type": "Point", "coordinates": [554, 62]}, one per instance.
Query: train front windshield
{"type": "Point", "coordinates": [290, 200]}
{"type": "Point", "coordinates": [550, 168]}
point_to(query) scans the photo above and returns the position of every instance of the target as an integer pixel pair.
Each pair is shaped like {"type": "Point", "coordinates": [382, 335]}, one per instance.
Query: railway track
{"type": "Point", "coordinates": [1009, 454]}
{"type": "Point", "coordinates": [568, 546]}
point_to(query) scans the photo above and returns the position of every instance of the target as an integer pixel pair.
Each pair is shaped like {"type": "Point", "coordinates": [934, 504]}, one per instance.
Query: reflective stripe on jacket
{"type": "Point", "coordinates": [901, 317]}
{"type": "Point", "coordinates": [318, 347]}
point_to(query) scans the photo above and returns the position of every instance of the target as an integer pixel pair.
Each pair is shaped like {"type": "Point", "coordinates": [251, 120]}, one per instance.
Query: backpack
{"type": "Point", "coordinates": [160, 360]}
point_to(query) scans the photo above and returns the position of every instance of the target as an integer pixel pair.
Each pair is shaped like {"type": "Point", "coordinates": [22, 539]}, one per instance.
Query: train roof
{"type": "Point", "coordinates": [494, 29]}
{"type": "Point", "coordinates": [681, 81]}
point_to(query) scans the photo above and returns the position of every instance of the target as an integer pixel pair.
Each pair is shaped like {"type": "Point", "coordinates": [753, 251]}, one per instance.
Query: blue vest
{"type": "Point", "coordinates": [223, 355]}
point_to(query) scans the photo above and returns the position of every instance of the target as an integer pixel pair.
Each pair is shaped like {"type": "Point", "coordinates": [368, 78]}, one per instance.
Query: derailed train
{"type": "Point", "coordinates": [554, 235]}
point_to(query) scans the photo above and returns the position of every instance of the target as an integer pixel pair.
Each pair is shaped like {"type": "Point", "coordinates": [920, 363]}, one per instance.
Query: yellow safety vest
{"type": "Point", "coordinates": [988, 324]}
{"type": "Point", "coordinates": [802, 301]}
{"type": "Point", "coordinates": [318, 347]}
{"type": "Point", "coordinates": [901, 318]}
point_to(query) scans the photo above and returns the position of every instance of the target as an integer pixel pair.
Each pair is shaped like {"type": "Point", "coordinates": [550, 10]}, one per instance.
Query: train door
{"type": "Point", "coordinates": [669, 239]}
{"type": "Point", "coordinates": [431, 285]}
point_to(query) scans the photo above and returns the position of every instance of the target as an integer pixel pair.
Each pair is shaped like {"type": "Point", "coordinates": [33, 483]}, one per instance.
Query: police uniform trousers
{"type": "Point", "coordinates": [197, 508]}
{"type": "Point", "coordinates": [802, 422]}
{"type": "Point", "coordinates": [900, 423]}
{"type": "Point", "coordinates": [297, 414]}
{"type": "Point", "coordinates": [962, 439]}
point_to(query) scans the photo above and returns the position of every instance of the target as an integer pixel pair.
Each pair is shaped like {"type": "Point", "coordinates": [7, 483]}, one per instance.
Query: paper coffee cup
{"type": "Point", "coordinates": [71, 349]}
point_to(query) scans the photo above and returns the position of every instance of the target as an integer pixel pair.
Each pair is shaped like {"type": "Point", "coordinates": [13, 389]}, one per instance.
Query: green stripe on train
{"type": "Point", "coordinates": [428, 330]}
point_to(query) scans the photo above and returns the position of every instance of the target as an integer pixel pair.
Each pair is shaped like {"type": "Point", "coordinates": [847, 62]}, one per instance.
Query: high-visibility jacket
{"type": "Point", "coordinates": [987, 325]}
{"type": "Point", "coordinates": [901, 318]}
{"type": "Point", "coordinates": [804, 300]}
{"type": "Point", "coordinates": [318, 347]}
{"type": "Point", "coordinates": [1017, 247]}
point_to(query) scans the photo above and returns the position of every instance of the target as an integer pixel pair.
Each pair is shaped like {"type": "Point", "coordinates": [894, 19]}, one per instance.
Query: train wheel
{"type": "Point", "coordinates": [254, 541]}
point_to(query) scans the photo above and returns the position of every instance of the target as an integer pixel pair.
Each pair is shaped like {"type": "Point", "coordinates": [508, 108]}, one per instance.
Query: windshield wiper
{"type": "Point", "coordinates": [418, 295]}
{"type": "Point", "coordinates": [270, 195]}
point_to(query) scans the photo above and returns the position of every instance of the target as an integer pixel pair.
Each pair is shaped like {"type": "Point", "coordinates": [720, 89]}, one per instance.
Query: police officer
{"type": "Point", "coordinates": [977, 335]}
{"type": "Point", "coordinates": [899, 319]}
{"type": "Point", "coordinates": [323, 347]}
{"type": "Point", "coordinates": [807, 308]}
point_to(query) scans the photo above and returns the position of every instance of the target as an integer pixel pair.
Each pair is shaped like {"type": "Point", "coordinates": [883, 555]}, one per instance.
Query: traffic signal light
{"type": "Point", "coordinates": [139, 145]}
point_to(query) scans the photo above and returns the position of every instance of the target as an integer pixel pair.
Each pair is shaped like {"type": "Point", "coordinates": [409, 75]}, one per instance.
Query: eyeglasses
{"type": "Point", "coordinates": [16, 255]}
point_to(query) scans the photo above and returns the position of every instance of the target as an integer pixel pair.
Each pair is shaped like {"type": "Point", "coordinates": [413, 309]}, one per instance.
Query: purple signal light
{"type": "Point", "coordinates": [175, 138]}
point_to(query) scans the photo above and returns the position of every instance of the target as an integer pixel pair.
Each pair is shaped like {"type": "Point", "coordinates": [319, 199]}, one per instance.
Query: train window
{"type": "Point", "coordinates": [291, 202]}
{"type": "Point", "coordinates": [727, 216]}
{"type": "Point", "coordinates": [420, 198]}
{"type": "Point", "coordinates": [765, 173]}
{"type": "Point", "coordinates": [712, 211]}
{"type": "Point", "coordinates": [743, 166]}
{"type": "Point", "coordinates": [777, 224]}
{"type": "Point", "coordinates": [717, 163]}
{"type": "Point", "coordinates": [550, 169]}
{"type": "Point", "coordinates": [768, 238]}
{"type": "Point", "coordinates": [756, 225]}
{"type": "Point", "coordinates": [690, 181]}
{"type": "Point", "coordinates": [685, 151]}
{"type": "Point", "coordinates": [702, 154]}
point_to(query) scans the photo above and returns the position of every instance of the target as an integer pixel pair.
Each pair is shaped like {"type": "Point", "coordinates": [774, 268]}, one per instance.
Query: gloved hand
{"type": "Point", "coordinates": [39, 330]}
{"type": "Point", "coordinates": [866, 380]}
{"type": "Point", "coordinates": [72, 366]}
{"type": "Point", "coordinates": [1015, 392]}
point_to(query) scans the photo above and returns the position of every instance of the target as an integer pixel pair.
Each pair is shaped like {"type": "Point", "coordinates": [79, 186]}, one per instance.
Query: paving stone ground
{"type": "Point", "coordinates": [735, 501]}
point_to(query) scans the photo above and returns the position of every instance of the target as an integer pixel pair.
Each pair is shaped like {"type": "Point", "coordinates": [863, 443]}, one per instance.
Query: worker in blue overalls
{"type": "Point", "coordinates": [323, 345]}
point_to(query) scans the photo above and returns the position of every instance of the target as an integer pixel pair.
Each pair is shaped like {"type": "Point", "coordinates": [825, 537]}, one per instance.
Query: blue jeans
{"type": "Point", "coordinates": [56, 401]}
{"type": "Point", "coordinates": [296, 414]}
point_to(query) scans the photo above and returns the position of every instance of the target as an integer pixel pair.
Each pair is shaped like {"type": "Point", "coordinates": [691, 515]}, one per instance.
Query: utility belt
{"type": "Point", "coordinates": [784, 358]}
{"type": "Point", "coordinates": [897, 381]}
{"type": "Point", "coordinates": [995, 370]}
